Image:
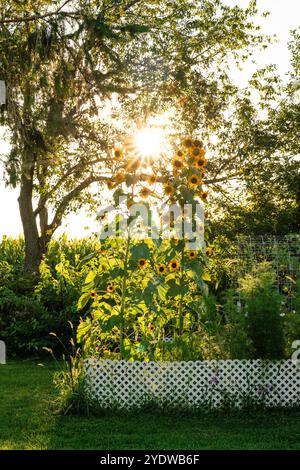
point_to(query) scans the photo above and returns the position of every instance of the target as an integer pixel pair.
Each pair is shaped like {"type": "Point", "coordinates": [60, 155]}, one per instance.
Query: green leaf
{"type": "Point", "coordinates": [114, 320]}
{"type": "Point", "coordinates": [87, 258]}
{"type": "Point", "coordinates": [140, 251]}
{"type": "Point", "coordinates": [90, 277]}
{"type": "Point", "coordinates": [162, 292]}
{"type": "Point", "coordinates": [83, 300]}
{"type": "Point", "coordinates": [83, 329]}
{"type": "Point", "coordinates": [174, 288]}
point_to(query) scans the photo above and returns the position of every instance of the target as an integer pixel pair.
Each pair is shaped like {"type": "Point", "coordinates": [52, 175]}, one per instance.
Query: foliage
{"type": "Point", "coordinates": [292, 321]}
{"type": "Point", "coordinates": [236, 340]}
{"type": "Point", "coordinates": [69, 380]}
{"type": "Point", "coordinates": [29, 312]}
{"type": "Point", "coordinates": [70, 65]}
{"type": "Point", "coordinates": [262, 309]}
{"type": "Point", "coordinates": [150, 290]}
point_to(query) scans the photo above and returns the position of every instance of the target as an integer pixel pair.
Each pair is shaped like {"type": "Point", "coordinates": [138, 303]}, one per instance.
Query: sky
{"type": "Point", "coordinates": [284, 16]}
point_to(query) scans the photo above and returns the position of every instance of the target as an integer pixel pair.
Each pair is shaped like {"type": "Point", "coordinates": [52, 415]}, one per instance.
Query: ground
{"type": "Point", "coordinates": [28, 422]}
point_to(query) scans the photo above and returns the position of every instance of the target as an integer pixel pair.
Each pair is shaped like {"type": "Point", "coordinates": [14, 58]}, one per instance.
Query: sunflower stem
{"type": "Point", "coordinates": [123, 299]}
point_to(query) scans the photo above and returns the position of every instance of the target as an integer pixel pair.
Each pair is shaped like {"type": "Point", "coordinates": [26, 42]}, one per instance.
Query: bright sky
{"type": "Point", "coordinates": [285, 15]}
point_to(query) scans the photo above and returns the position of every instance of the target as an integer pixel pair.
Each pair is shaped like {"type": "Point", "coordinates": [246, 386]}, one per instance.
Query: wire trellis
{"type": "Point", "coordinates": [283, 254]}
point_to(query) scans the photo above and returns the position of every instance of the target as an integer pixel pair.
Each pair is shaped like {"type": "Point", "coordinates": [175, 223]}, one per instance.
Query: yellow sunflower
{"type": "Point", "coordinates": [168, 189]}
{"type": "Point", "coordinates": [194, 180]}
{"type": "Point", "coordinates": [177, 163]}
{"type": "Point", "coordinates": [118, 153]}
{"type": "Point", "coordinates": [179, 153]}
{"type": "Point", "coordinates": [196, 152]}
{"type": "Point", "coordinates": [130, 203]}
{"type": "Point", "coordinates": [151, 179]}
{"type": "Point", "coordinates": [110, 184]}
{"type": "Point", "coordinates": [197, 143]}
{"type": "Point", "coordinates": [209, 251]}
{"type": "Point", "coordinates": [192, 254]}
{"type": "Point", "coordinates": [94, 294]}
{"type": "Point", "coordinates": [119, 177]}
{"type": "Point", "coordinates": [145, 192]}
{"type": "Point", "coordinates": [110, 288]}
{"type": "Point", "coordinates": [204, 196]}
{"type": "Point", "coordinates": [142, 263]}
{"type": "Point", "coordinates": [162, 268]}
{"type": "Point", "coordinates": [188, 143]}
{"type": "Point", "coordinates": [174, 265]}
{"type": "Point", "coordinates": [200, 162]}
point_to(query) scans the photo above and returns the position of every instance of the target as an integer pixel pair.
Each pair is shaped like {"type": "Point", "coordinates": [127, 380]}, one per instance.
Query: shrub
{"type": "Point", "coordinates": [24, 323]}
{"type": "Point", "coordinates": [262, 310]}
{"type": "Point", "coordinates": [292, 321]}
{"type": "Point", "coordinates": [237, 343]}
{"type": "Point", "coordinates": [28, 311]}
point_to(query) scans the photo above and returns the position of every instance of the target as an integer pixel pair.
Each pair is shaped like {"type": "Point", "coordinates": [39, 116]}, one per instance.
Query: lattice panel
{"type": "Point", "coordinates": [126, 384]}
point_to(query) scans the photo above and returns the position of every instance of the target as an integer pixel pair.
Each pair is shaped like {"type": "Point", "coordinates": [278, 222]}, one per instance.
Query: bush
{"type": "Point", "coordinates": [29, 312]}
{"type": "Point", "coordinates": [24, 323]}
{"type": "Point", "coordinates": [261, 305]}
{"type": "Point", "coordinates": [237, 343]}
{"type": "Point", "coordinates": [292, 321]}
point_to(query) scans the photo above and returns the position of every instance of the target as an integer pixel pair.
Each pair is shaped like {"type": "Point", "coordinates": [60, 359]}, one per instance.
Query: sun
{"type": "Point", "coordinates": [150, 141]}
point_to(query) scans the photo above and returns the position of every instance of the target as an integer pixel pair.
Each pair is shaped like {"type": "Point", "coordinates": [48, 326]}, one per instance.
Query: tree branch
{"type": "Point", "coordinates": [57, 219]}
{"type": "Point", "coordinates": [26, 19]}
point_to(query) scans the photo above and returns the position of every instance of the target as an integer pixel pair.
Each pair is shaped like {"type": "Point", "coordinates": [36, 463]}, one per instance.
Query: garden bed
{"type": "Point", "coordinates": [194, 384]}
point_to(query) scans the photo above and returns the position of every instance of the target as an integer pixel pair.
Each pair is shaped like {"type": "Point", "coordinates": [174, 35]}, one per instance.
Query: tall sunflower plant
{"type": "Point", "coordinates": [145, 302]}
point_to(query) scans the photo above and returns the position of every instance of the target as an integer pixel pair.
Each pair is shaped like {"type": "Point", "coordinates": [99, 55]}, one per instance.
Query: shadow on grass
{"type": "Point", "coordinates": [28, 422]}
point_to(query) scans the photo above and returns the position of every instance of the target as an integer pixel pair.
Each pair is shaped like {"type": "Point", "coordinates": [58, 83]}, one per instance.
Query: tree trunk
{"type": "Point", "coordinates": [33, 251]}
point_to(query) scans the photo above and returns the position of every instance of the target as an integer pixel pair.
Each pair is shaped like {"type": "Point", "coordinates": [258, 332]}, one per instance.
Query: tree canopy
{"type": "Point", "coordinates": [81, 74]}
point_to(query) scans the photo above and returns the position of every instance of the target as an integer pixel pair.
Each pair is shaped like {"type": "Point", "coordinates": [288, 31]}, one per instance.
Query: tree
{"type": "Point", "coordinates": [266, 196]}
{"type": "Point", "coordinates": [62, 60]}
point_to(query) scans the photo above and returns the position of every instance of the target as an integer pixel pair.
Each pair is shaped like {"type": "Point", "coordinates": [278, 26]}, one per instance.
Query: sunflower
{"type": "Point", "coordinates": [110, 288]}
{"type": "Point", "coordinates": [192, 254]}
{"type": "Point", "coordinates": [168, 189]}
{"type": "Point", "coordinates": [188, 143]}
{"type": "Point", "coordinates": [179, 153]}
{"type": "Point", "coordinates": [119, 177]}
{"type": "Point", "coordinates": [118, 153]}
{"type": "Point", "coordinates": [151, 179]}
{"type": "Point", "coordinates": [202, 152]}
{"type": "Point", "coordinates": [94, 294]}
{"type": "Point", "coordinates": [200, 162]}
{"type": "Point", "coordinates": [162, 268]}
{"type": "Point", "coordinates": [174, 265]}
{"type": "Point", "coordinates": [209, 251]}
{"type": "Point", "coordinates": [196, 152]}
{"type": "Point", "coordinates": [129, 203]}
{"type": "Point", "coordinates": [145, 192]}
{"type": "Point", "coordinates": [133, 164]}
{"type": "Point", "coordinates": [194, 180]}
{"type": "Point", "coordinates": [151, 327]}
{"type": "Point", "coordinates": [198, 143]}
{"type": "Point", "coordinates": [110, 184]}
{"type": "Point", "coordinates": [177, 163]}
{"type": "Point", "coordinates": [142, 263]}
{"type": "Point", "coordinates": [204, 195]}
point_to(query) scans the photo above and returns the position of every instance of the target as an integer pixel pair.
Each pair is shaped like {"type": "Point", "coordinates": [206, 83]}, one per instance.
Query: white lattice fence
{"type": "Point", "coordinates": [126, 384]}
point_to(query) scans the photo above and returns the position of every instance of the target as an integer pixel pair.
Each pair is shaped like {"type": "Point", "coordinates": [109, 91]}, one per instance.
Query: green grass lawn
{"type": "Point", "coordinates": [26, 422]}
